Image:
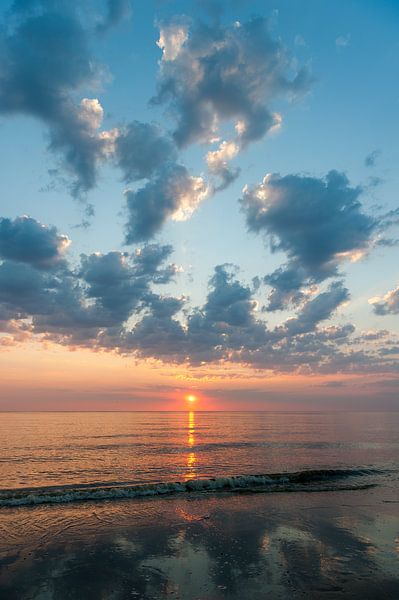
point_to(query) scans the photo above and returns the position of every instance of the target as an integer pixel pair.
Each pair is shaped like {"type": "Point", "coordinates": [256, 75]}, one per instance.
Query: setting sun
{"type": "Point", "coordinates": [191, 398]}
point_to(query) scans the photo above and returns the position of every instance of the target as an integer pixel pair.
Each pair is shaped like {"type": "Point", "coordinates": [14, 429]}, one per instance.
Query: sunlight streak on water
{"type": "Point", "coordinates": [191, 458]}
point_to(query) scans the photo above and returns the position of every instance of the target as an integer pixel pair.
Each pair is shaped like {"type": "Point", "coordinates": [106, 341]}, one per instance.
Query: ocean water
{"type": "Point", "coordinates": [65, 457]}
{"type": "Point", "coordinates": [199, 506]}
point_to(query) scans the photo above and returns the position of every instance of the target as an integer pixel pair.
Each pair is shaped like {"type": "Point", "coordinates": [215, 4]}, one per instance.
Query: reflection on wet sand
{"type": "Point", "coordinates": [280, 546]}
{"type": "Point", "coordinates": [191, 458]}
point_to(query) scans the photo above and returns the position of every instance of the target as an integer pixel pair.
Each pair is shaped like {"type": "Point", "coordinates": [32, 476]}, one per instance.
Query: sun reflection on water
{"type": "Point", "coordinates": [191, 458]}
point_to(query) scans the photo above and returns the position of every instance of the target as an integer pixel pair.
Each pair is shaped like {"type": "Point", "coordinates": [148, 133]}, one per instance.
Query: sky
{"type": "Point", "coordinates": [199, 197]}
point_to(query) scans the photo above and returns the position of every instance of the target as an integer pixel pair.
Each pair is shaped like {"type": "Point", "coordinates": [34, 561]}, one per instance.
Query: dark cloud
{"type": "Point", "coordinates": [229, 302]}
{"type": "Point", "coordinates": [222, 326]}
{"type": "Point", "coordinates": [157, 336]}
{"type": "Point", "coordinates": [149, 262]}
{"type": "Point", "coordinates": [54, 304]}
{"type": "Point", "coordinates": [141, 150]}
{"type": "Point", "coordinates": [318, 309]}
{"type": "Point", "coordinates": [286, 282]}
{"type": "Point", "coordinates": [27, 240]}
{"type": "Point", "coordinates": [120, 283]}
{"type": "Point", "coordinates": [172, 193]}
{"type": "Point", "coordinates": [213, 74]}
{"type": "Point", "coordinates": [74, 305]}
{"type": "Point", "coordinates": [117, 11]}
{"type": "Point", "coordinates": [44, 58]}
{"type": "Point", "coordinates": [45, 61]}
{"type": "Point", "coordinates": [318, 223]}
{"type": "Point", "coordinates": [24, 290]}
{"type": "Point", "coordinates": [164, 306]}
{"type": "Point", "coordinates": [111, 281]}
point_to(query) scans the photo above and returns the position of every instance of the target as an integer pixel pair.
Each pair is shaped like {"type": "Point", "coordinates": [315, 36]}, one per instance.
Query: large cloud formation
{"type": "Point", "coordinates": [213, 74]}
{"type": "Point", "coordinates": [112, 302]}
{"type": "Point", "coordinates": [227, 328]}
{"type": "Point", "coordinates": [45, 61]}
{"type": "Point", "coordinates": [39, 287]}
{"type": "Point", "coordinates": [318, 223]}
{"type": "Point", "coordinates": [208, 75]}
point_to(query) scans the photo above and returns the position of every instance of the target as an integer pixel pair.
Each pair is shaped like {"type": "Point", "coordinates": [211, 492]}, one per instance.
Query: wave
{"type": "Point", "coordinates": [309, 480]}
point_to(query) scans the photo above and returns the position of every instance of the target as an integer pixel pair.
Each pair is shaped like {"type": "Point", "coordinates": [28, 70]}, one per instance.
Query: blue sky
{"type": "Point", "coordinates": [297, 90]}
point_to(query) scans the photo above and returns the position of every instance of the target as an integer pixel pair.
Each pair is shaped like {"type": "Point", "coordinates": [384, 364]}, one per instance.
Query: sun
{"type": "Point", "coordinates": [191, 398]}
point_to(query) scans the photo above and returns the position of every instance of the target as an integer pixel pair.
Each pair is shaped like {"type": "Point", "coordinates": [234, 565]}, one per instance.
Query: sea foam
{"type": "Point", "coordinates": [308, 480]}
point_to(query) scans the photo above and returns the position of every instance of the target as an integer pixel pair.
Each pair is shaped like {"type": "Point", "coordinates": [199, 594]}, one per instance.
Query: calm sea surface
{"type": "Point", "coordinates": [77, 449]}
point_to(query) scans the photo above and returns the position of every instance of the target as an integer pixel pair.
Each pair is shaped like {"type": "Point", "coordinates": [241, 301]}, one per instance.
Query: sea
{"type": "Point", "coordinates": [64, 457]}
{"type": "Point", "coordinates": [199, 506]}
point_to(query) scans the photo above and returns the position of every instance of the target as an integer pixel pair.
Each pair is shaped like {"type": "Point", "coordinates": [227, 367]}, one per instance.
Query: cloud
{"type": "Point", "coordinates": [226, 329]}
{"type": "Point", "coordinates": [286, 282]}
{"type": "Point", "coordinates": [211, 75]}
{"type": "Point", "coordinates": [229, 301]}
{"type": "Point", "coordinates": [111, 281]}
{"type": "Point", "coordinates": [371, 158]}
{"type": "Point", "coordinates": [111, 302]}
{"type": "Point", "coordinates": [24, 290]}
{"type": "Point", "coordinates": [318, 223]}
{"type": "Point", "coordinates": [119, 283]}
{"type": "Point", "coordinates": [117, 11]}
{"type": "Point", "coordinates": [144, 151]}
{"type": "Point", "coordinates": [333, 384]}
{"type": "Point", "coordinates": [342, 41]}
{"type": "Point", "coordinates": [172, 36]}
{"type": "Point", "coordinates": [299, 40]}
{"type": "Point", "coordinates": [218, 164]}
{"type": "Point", "coordinates": [26, 240]}
{"type": "Point", "coordinates": [41, 292]}
{"type": "Point", "coordinates": [172, 193]}
{"type": "Point", "coordinates": [149, 259]}
{"type": "Point", "coordinates": [388, 304]}
{"type": "Point", "coordinates": [317, 309]}
{"type": "Point", "coordinates": [215, 74]}
{"type": "Point", "coordinates": [141, 150]}
{"type": "Point", "coordinates": [45, 62]}
{"type": "Point", "coordinates": [222, 326]}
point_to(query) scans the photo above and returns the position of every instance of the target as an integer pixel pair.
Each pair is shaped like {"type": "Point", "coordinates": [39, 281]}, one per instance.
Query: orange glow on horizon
{"type": "Point", "coordinates": [37, 377]}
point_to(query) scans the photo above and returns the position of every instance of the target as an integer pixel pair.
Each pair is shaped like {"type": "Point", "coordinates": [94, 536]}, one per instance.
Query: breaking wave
{"type": "Point", "coordinates": [309, 480]}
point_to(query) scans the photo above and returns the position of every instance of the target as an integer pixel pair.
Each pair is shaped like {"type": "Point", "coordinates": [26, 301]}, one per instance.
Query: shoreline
{"type": "Point", "coordinates": [326, 545]}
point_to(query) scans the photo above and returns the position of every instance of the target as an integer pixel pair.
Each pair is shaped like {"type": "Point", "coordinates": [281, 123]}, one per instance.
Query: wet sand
{"type": "Point", "coordinates": [327, 545]}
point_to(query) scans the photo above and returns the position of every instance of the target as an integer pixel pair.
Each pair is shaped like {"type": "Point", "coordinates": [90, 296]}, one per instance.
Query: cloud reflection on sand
{"type": "Point", "coordinates": [334, 545]}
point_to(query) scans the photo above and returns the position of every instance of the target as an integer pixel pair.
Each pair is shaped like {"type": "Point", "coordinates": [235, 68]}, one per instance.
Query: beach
{"type": "Point", "coordinates": [205, 546]}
